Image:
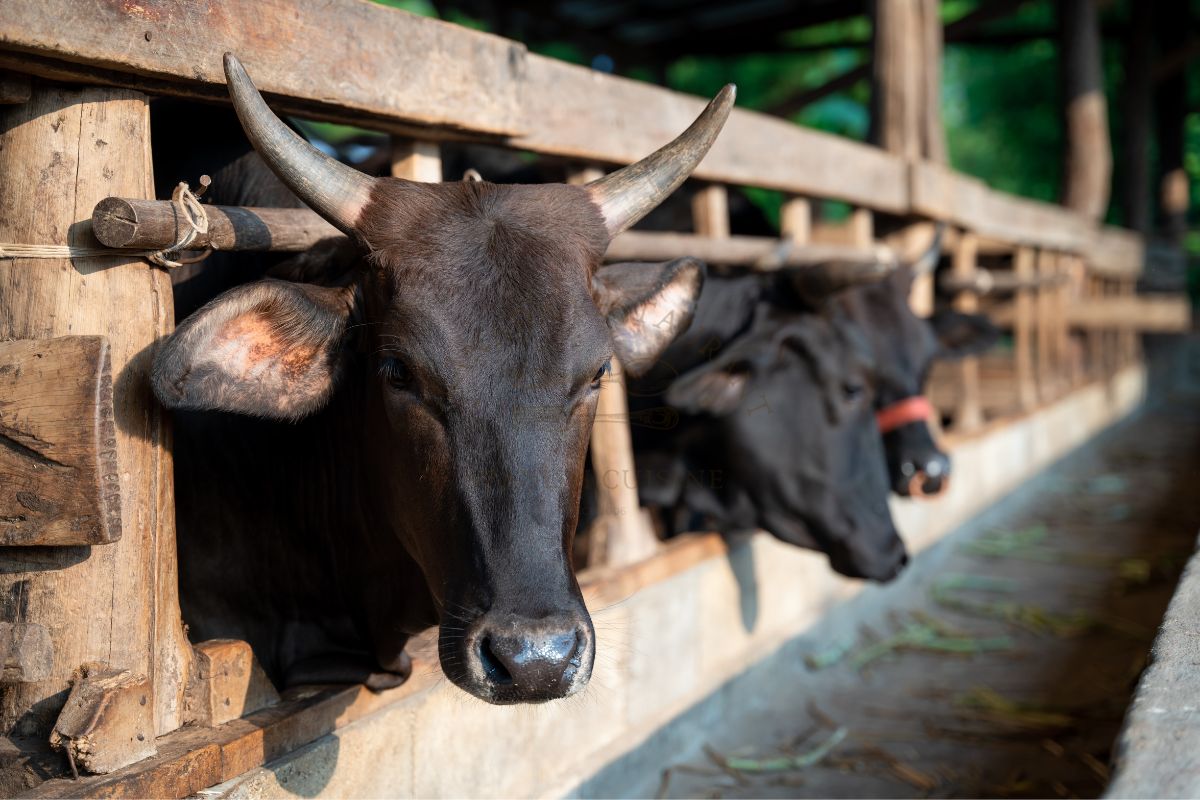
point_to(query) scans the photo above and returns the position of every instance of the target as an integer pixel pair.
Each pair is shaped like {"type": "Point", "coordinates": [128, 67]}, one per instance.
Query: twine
{"type": "Point", "coordinates": [188, 208]}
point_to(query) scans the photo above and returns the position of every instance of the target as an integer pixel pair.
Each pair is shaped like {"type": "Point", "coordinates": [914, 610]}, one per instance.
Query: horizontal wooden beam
{"type": "Point", "coordinates": [985, 281]}
{"type": "Point", "coordinates": [1147, 313]}
{"type": "Point", "coordinates": [441, 80]}
{"type": "Point", "coordinates": [157, 224]}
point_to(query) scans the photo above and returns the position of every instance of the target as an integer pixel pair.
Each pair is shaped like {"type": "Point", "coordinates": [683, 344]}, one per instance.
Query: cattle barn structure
{"type": "Point", "coordinates": [100, 677]}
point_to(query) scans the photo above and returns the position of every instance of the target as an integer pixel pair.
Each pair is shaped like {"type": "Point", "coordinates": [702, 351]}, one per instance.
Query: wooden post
{"type": "Point", "coordinates": [1093, 289]}
{"type": "Point", "coordinates": [416, 160]}
{"type": "Point", "coordinates": [622, 532]}
{"type": "Point", "coordinates": [1173, 24]}
{"type": "Point", "coordinates": [907, 79]}
{"type": "Point", "coordinates": [710, 212]}
{"type": "Point", "coordinates": [1023, 266]}
{"type": "Point", "coordinates": [968, 415]}
{"type": "Point", "coordinates": [1088, 162]}
{"type": "Point", "coordinates": [60, 153]}
{"type": "Point", "coordinates": [795, 219]}
{"type": "Point", "coordinates": [1136, 98]}
{"type": "Point", "coordinates": [1046, 329]}
{"type": "Point", "coordinates": [862, 227]}
{"type": "Point", "coordinates": [896, 77]}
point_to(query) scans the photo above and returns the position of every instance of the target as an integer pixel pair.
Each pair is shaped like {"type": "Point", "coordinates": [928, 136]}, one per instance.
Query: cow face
{"type": "Point", "coordinates": [905, 347]}
{"type": "Point", "coordinates": [477, 329]}
{"type": "Point", "coordinates": [794, 439]}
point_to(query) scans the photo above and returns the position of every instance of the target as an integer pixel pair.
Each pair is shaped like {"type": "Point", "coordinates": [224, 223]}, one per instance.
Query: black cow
{"type": "Point", "coordinates": [776, 427]}
{"type": "Point", "coordinates": [399, 441]}
{"type": "Point", "coordinates": [905, 347]}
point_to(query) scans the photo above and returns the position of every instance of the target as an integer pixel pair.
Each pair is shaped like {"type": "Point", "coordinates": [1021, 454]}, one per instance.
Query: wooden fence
{"type": "Point", "coordinates": [76, 131]}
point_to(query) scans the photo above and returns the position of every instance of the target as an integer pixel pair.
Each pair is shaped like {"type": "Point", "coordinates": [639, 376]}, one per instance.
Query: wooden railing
{"type": "Point", "coordinates": [426, 82]}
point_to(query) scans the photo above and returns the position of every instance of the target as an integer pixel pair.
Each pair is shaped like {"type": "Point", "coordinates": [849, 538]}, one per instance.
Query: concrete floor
{"type": "Point", "coordinates": [1067, 579]}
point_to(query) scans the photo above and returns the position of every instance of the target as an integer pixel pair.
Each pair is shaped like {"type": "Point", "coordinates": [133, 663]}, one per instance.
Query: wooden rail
{"type": "Point", "coordinates": [476, 85]}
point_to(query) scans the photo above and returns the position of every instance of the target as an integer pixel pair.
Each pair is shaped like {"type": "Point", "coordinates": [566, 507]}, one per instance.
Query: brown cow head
{"type": "Point", "coordinates": [477, 328]}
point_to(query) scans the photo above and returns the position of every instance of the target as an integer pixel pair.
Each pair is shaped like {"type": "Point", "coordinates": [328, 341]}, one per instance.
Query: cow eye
{"type": "Point", "coordinates": [852, 390]}
{"type": "Point", "coordinates": [396, 373]}
{"type": "Point", "coordinates": [604, 370]}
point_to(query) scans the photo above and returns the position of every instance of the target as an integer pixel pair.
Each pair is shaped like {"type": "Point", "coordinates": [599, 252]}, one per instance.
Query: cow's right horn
{"type": "Point", "coordinates": [632, 192]}
{"type": "Point", "coordinates": [335, 191]}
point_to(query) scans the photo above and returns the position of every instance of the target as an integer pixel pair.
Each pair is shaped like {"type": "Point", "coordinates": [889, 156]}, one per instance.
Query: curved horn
{"type": "Point", "coordinates": [335, 191]}
{"type": "Point", "coordinates": [632, 192]}
{"type": "Point", "coordinates": [927, 261]}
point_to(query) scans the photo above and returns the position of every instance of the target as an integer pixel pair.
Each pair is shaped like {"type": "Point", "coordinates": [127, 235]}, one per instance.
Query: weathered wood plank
{"type": "Point", "coordinates": [968, 415]}
{"type": "Point", "coordinates": [58, 460]}
{"type": "Point", "coordinates": [60, 153]}
{"type": "Point", "coordinates": [435, 73]}
{"type": "Point", "coordinates": [1148, 313]}
{"type": "Point", "coordinates": [228, 683]}
{"type": "Point", "coordinates": [108, 721]}
{"type": "Point", "coordinates": [156, 224]}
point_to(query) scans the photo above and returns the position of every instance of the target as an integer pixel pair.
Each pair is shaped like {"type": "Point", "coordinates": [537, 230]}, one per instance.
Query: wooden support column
{"type": "Point", "coordinates": [968, 414]}
{"type": "Point", "coordinates": [116, 604]}
{"type": "Point", "coordinates": [622, 532]}
{"type": "Point", "coordinates": [416, 160]}
{"type": "Point", "coordinates": [710, 212]}
{"type": "Point", "coordinates": [1130, 343]}
{"type": "Point", "coordinates": [906, 84]}
{"type": "Point", "coordinates": [795, 219]}
{"type": "Point", "coordinates": [1046, 330]}
{"type": "Point", "coordinates": [1137, 112]}
{"type": "Point", "coordinates": [862, 227]}
{"type": "Point", "coordinates": [1023, 266]}
{"type": "Point", "coordinates": [1172, 22]}
{"type": "Point", "coordinates": [1088, 164]}
{"type": "Point", "coordinates": [1094, 289]}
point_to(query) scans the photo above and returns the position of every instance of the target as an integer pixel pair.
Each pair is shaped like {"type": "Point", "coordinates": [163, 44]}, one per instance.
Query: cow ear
{"type": "Point", "coordinates": [715, 388]}
{"type": "Point", "coordinates": [647, 306]}
{"type": "Point", "coordinates": [960, 335]}
{"type": "Point", "coordinates": [269, 349]}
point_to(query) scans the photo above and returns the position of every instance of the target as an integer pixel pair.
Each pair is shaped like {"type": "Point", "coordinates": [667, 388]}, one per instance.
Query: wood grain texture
{"type": "Point", "coordinates": [60, 153]}
{"type": "Point", "coordinates": [59, 476]}
{"type": "Point", "coordinates": [370, 61]}
{"type": "Point", "coordinates": [108, 720]}
{"type": "Point", "coordinates": [229, 683]}
{"type": "Point", "coordinates": [968, 415]}
{"type": "Point", "coordinates": [1023, 333]}
{"type": "Point", "coordinates": [138, 224]}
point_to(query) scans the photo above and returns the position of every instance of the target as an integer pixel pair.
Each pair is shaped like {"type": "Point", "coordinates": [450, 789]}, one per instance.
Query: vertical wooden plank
{"type": "Point", "coordinates": [416, 160]}
{"type": "Point", "coordinates": [862, 227]}
{"type": "Point", "coordinates": [1045, 326]}
{"type": "Point", "coordinates": [1130, 345]}
{"type": "Point", "coordinates": [710, 212]}
{"type": "Point", "coordinates": [968, 415]}
{"type": "Point", "coordinates": [795, 219]}
{"type": "Point", "coordinates": [913, 240]}
{"type": "Point", "coordinates": [897, 84]}
{"type": "Point", "coordinates": [60, 153]}
{"type": "Point", "coordinates": [1093, 288]}
{"type": "Point", "coordinates": [622, 532]}
{"type": "Point", "coordinates": [1023, 266]}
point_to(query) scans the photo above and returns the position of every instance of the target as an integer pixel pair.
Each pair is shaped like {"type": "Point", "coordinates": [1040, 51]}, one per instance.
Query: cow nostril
{"type": "Point", "coordinates": [493, 666]}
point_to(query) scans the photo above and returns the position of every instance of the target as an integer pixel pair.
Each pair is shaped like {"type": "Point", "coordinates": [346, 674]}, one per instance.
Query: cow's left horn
{"type": "Point", "coordinates": [632, 192]}
{"type": "Point", "coordinates": [335, 191]}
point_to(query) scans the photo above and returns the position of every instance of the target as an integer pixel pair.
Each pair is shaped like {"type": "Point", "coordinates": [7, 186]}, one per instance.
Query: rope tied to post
{"type": "Point", "coordinates": [188, 209]}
